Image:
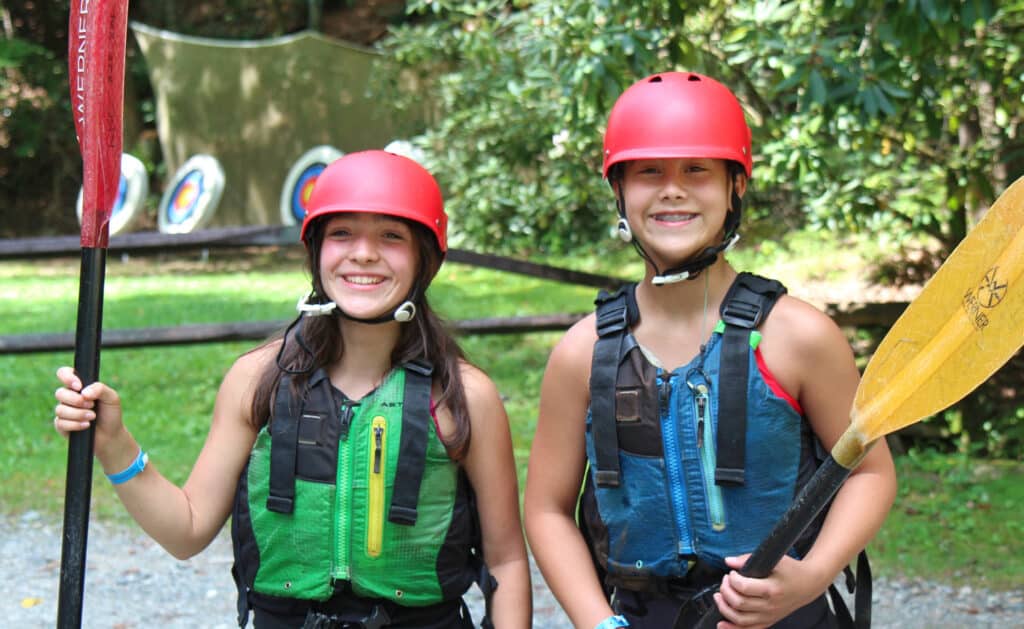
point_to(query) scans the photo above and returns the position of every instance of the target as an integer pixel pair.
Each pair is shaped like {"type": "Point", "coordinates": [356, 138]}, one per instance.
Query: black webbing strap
{"type": "Point", "coordinates": [613, 320]}
{"type": "Point", "coordinates": [284, 434]}
{"type": "Point", "coordinates": [745, 306]}
{"type": "Point", "coordinates": [412, 451]}
{"type": "Point", "coordinates": [242, 604]}
{"type": "Point", "coordinates": [862, 598]}
{"type": "Point", "coordinates": [860, 587]}
{"type": "Point", "coordinates": [284, 443]}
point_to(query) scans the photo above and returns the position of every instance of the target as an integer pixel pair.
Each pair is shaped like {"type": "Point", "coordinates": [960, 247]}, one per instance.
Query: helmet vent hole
{"type": "Point", "coordinates": [655, 79]}
{"type": "Point", "coordinates": [693, 77]}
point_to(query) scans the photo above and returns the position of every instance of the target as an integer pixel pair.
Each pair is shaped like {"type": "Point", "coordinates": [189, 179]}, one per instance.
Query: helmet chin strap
{"type": "Point", "coordinates": [690, 270]}
{"type": "Point", "coordinates": [405, 312]}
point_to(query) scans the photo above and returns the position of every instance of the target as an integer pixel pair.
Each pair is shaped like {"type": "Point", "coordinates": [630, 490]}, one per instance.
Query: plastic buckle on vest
{"type": "Point", "coordinates": [402, 515]}
{"type": "Point", "coordinates": [421, 367]}
{"type": "Point", "coordinates": [729, 476]}
{"type": "Point", "coordinates": [607, 478]}
{"type": "Point", "coordinates": [742, 314]}
{"type": "Point", "coordinates": [612, 320]}
{"type": "Point", "coordinates": [279, 504]}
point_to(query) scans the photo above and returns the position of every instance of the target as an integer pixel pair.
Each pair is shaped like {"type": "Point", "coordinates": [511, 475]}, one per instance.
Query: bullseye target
{"type": "Point", "coordinates": [191, 197]}
{"type": "Point", "coordinates": [132, 190]}
{"type": "Point", "coordinates": [298, 185]}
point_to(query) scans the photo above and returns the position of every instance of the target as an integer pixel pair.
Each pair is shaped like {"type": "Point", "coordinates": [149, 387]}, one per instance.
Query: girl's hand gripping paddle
{"type": "Point", "coordinates": [96, 52]}
{"type": "Point", "coordinates": [966, 323]}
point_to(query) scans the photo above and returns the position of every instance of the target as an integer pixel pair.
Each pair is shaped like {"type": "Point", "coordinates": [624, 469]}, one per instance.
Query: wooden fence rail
{"type": "Point", "coordinates": [150, 243]}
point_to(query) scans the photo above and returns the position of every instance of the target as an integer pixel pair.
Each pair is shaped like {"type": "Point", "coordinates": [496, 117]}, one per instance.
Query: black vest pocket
{"type": "Point", "coordinates": [636, 406]}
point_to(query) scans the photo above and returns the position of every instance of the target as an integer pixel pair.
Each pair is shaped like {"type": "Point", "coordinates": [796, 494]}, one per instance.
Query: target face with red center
{"type": "Point", "coordinates": [132, 190]}
{"type": "Point", "coordinates": [191, 198]}
{"type": "Point", "coordinates": [298, 185]}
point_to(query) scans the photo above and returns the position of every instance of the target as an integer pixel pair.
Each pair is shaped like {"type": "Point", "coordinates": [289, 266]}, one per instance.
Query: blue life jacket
{"type": "Point", "coordinates": [694, 464]}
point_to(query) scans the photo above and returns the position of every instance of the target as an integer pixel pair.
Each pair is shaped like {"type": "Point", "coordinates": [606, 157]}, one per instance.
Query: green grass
{"type": "Point", "coordinates": [955, 520]}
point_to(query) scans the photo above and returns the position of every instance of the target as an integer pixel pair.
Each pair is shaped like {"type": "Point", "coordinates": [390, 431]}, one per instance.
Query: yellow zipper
{"type": "Point", "coordinates": [375, 518]}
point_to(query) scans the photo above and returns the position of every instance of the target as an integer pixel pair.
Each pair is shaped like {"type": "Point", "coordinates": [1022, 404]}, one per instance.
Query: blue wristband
{"type": "Point", "coordinates": [612, 621]}
{"type": "Point", "coordinates": [131, 471]}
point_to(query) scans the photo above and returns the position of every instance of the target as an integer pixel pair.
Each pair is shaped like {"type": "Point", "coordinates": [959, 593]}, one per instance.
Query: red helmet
{"type": "Point", "coordinates": [677, 114]}
{"type": "Point", "coordinates": [381, 183]}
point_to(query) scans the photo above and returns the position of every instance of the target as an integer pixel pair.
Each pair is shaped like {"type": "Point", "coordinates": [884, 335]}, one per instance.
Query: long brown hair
{"type": "Point", "coordinates": [426, 337]}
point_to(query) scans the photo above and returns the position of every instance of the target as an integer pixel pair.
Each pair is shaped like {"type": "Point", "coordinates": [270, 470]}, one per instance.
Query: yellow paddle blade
{"type": "Point", "coordinates": [966, 323]}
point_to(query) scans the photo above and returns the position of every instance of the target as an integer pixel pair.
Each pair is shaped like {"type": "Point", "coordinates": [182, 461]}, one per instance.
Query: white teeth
{"type": "Point", "coordinates": [674, 217]}
{"type": "Point", "coordinates": [362, 279]}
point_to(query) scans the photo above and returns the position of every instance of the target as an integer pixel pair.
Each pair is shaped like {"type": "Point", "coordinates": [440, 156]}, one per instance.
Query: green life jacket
{"type": "Point", "coordinates": [354, 497]}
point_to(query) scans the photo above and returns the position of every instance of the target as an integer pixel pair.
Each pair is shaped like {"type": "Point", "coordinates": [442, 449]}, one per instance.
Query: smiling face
{"type": "Point", "coordinates": [677, 207]}
{"type": "Point", "coordinates": [368, 262]}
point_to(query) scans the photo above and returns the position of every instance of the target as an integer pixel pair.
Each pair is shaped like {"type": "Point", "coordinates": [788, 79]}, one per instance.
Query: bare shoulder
{"type": "Point", "coordinates": [479, 387]}
{"type": "Point", "coordinates": [239, 384]}
{"type": "Point", "coordinates": [802, 327]}
{"type": "Point", "coordinates": [576, 347]}
{"type": "Point", "coordinates": [805, 350]}
{"type": "Point", "coordinates": [248, 367]}
{"type": "Point", "coordinates": [487, 417]}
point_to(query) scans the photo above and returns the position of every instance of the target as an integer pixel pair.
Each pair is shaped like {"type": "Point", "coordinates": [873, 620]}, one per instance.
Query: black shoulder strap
{"type": "Point", "coordinates": [615, 313]}
{"type": "Point", "coordinates": [745, 307]}
{"type": "Point", "coordinates": [412, 451]}
{"type": "Point", "coordinates": [284, 434]}
{"type": "Point", "coordinates": [284, 443]}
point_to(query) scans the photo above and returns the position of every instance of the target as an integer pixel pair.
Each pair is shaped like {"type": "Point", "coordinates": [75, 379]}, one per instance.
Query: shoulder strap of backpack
{"type": "Point", "coordinates": [745, 307]}
{"type": "Point", "coordinates": [615, 313]}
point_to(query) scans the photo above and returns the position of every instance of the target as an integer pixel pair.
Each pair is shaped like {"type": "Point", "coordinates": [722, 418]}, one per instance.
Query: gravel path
{"type": "Point", "coordinates": [131, 583]}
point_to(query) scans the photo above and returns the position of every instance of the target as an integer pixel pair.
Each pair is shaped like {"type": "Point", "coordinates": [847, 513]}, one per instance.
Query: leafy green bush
{"type": "Point", "coordinates": [869, 115]}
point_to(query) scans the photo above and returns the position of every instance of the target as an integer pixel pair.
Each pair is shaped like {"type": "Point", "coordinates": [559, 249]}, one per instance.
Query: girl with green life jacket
{"type": "Point", "coordinates": [690, 406]}
{"type": "Point", "coordinates": [367, 466]}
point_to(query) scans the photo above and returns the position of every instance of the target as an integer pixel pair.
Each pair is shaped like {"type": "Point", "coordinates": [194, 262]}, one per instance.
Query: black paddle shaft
{"type": "Point", "coordinates": [78, 484]}
{"type": "Point", "coordinates": [808, 504]}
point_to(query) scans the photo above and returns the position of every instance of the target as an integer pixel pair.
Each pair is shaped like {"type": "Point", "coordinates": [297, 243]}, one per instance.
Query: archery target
{"type": "Point", "coordinates": [132, 190]}
{"type": "Point", "coordinates": [191, 198]}
{"type": "Point", "coordinates": [298, 185]}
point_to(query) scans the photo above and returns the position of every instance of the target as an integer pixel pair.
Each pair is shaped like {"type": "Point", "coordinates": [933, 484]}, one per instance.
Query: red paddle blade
{"type": "Point", "coordinates": [96, 49]}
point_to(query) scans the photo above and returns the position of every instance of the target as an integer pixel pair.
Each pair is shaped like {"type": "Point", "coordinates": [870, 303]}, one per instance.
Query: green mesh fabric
{"type": "Point", "coordinates": [405, 570]}
{"type": "Point", "coordinates": [257, 106]}
{"type": "Point", "coordinates": [282, 538]}
{"type": "Point", "coordinates": [299, 555]}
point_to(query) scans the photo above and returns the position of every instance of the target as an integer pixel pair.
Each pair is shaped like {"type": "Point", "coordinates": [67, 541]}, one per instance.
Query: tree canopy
{"type": "Point", "coordinates": [897, 117]}
{"type": "Point", "coordinates": [867, 114]}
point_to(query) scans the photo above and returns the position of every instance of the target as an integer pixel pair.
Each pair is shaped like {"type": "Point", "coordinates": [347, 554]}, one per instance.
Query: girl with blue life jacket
{"type": "Point", "coordinates": [366, 465]}
{"type": "Point", "coordinates": [691, 406]}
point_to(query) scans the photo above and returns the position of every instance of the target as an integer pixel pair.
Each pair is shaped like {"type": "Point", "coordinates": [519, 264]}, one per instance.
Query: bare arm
{"type": "Point", "coordinates": [182, 520]}
{"type": "Point", "coordinates": [557, 465]}
{"type": "Point", "coordinates": [812, 359]}
{"type": "Point", "coordinates": [490, 464]}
